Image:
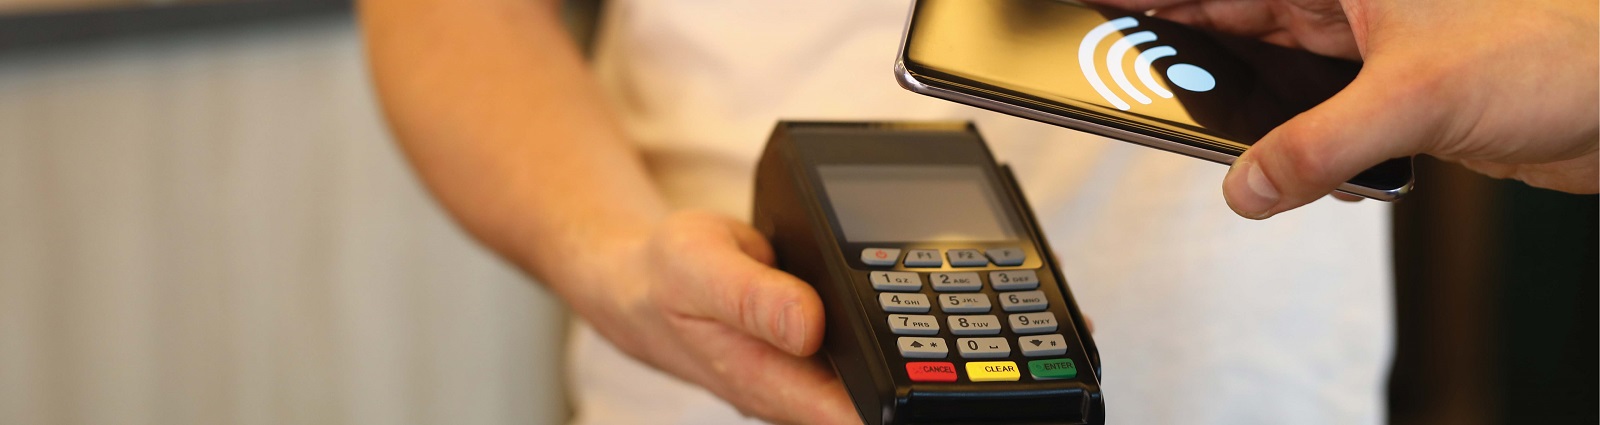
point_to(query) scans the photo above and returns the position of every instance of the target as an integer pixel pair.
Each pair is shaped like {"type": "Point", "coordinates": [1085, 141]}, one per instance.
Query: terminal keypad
{"type": "Point", "coordinates": [988, 316]}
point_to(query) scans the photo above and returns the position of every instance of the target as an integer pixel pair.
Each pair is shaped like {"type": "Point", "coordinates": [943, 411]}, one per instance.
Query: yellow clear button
{"type": "Point", "coordinates": [992, 371]}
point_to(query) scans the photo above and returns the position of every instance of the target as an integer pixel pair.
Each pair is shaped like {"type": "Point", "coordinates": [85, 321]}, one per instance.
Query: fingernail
{"type": "Point", "coordinates": [790, 340]}
{"type": "Point", "coordinates": [1262, 196]}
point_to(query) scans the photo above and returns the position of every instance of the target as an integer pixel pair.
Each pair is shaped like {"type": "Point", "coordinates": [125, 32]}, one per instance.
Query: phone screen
{"type": "Point", "coordinates": [1126, 71]}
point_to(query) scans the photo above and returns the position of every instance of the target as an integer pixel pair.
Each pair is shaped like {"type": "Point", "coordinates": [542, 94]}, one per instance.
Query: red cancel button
{"type": "Point", "coordinates": [931, 371]}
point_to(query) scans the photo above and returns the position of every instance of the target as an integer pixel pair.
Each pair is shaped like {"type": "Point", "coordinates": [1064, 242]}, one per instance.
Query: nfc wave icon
{"type": "Point", "coordinates": [1185, 76]}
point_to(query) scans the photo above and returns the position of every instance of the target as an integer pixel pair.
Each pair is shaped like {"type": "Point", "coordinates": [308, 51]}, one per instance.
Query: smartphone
{"type": "Point", "coordinates": [1124, 75]}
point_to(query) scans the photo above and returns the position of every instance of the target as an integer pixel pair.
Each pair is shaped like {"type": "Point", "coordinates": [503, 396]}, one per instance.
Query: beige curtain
{"type": "Point", "coordinates": [213, 228]}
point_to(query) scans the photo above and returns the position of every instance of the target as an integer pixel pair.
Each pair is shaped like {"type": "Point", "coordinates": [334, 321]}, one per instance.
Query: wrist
{"type": "Point", "coordinates": [593, 265]}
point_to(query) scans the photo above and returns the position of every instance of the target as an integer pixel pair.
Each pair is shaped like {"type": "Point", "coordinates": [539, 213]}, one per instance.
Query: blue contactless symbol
{"type": "Point", "coordinates": [1183, 75]}
{"type": "Point", "coordinates": [1191, 78]}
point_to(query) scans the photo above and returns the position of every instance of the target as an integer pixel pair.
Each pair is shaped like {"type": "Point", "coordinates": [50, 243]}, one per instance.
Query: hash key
{"type": "Point", "coordinates": [1042, 345]}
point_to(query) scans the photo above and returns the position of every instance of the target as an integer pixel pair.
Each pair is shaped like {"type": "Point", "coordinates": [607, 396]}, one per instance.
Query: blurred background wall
{"type": "Point", "coordinates": [211, 226]}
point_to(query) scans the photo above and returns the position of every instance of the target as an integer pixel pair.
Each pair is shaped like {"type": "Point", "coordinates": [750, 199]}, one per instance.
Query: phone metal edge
{"type": "Point", "coordinates": [909, 81]}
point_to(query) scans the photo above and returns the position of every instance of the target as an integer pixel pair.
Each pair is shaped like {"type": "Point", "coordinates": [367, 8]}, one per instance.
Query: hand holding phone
{"type": "Point", "coordinates": [1504, 88]}
{"type": "Point", "coordinates": [1461, 88]}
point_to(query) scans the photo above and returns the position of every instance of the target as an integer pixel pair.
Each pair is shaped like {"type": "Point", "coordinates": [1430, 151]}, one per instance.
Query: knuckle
{"type": "Point", "coordinates": [675, 239]}
{"type": "Point", "coordinates": [751, 294]}
{"type": "Point", "coordinates": [739, 306]}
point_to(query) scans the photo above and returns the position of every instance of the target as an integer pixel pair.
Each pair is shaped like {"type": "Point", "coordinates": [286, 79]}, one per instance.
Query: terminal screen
{"type": "Point", "coordinates": [915, 203]}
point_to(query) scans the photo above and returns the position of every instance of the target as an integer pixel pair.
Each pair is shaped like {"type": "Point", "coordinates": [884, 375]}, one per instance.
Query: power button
{"type": "Point", "coordinates": [880, 256]}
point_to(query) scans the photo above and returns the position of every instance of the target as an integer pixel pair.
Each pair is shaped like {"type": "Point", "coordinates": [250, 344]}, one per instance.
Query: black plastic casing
{"type": "Point", "coordinates": [793, 213]}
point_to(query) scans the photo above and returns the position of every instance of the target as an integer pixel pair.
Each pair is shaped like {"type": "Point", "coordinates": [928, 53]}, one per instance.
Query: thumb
{"type": "Point", "coordinates": [732, 283]}
{"type": "Point", "coordinates": [1379, 116]}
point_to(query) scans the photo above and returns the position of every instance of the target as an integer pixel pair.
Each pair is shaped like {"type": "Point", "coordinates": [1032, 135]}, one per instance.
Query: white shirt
{"type": "Point", "coordinates": [1201, 317]}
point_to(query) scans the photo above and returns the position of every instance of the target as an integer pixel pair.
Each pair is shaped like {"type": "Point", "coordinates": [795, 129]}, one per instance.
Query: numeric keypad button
{"type": "Point", "coordinates": [896, 281]}
{"type": "Point", "coordinates": [1042, 345]}
{"type": "Point", "coordinates": [973, 325]}
{"type": "Point", "coordinates": [1008, 256]}
{"type": "Point", "coordinates": [983, 348]}
{"type": "Point", "coordinates": [967, 258]}
{"type": "Point", "coordinates": [1053, 369]}
{"type": "Point", "coordinates": [955, 282]}
{"type": "Point", "coordinates": [964, 303]}
{"type": "Point", "coordinates": [931, 371]}
{"type": "Point", "coordinates": [913, 347]}
{"type": "Point", "coordinates": [924, 258]}
{"type": "Point", "coordinates": [880, 256]}
{"type": "Point", "coordinates": [1013, 280]}
{"type": "Point", "coordinates": [904, 303]}
{"type": "Point", "coordinates": [913, 324]}
{"type": "Point", "coordinates": [1025, 301]}
{"type": "Point", "coordinates": [1033, 323]}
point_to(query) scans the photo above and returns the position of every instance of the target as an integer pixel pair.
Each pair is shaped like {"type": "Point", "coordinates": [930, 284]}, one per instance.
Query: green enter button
{"type": "Point", "coordinates": [1053, 369]}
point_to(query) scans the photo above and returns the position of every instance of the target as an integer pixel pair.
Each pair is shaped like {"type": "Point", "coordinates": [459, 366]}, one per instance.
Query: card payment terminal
{"type": "Point", "coordinates": [944, 304]}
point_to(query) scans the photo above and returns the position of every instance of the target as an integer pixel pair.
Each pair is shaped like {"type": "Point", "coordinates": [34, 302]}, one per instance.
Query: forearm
{"type": "Point", "coordinates": [492, 104]}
